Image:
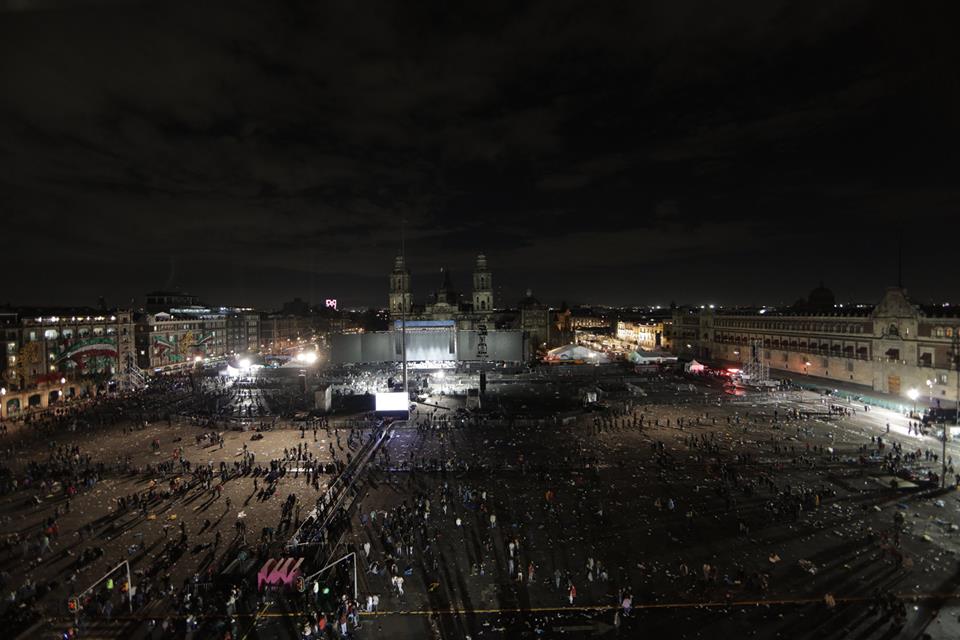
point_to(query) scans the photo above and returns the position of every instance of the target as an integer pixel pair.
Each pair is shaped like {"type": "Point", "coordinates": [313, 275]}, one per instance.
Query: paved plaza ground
{"type": "Point", "coordinates": [760, 515]}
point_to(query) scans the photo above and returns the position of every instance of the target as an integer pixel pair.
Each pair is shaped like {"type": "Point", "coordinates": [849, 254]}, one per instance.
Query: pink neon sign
{"type": "Point", "coordinates": [278, 572]}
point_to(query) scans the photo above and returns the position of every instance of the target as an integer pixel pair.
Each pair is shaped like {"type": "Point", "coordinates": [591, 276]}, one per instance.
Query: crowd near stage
{"type": "Point", "coordinates": [561, 501]}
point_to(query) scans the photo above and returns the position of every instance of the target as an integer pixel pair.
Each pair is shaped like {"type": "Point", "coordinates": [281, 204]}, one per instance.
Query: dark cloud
{"type": "Point", "coordinates": [618, 152]}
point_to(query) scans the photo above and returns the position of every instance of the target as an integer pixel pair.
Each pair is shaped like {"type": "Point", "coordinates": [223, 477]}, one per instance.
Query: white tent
{"type": "Point", "coordinates": [651, 357]}
{"type": "Point", "coordinates": [693, 367]}
{"type": "Point", "coordinates": [576, 353]}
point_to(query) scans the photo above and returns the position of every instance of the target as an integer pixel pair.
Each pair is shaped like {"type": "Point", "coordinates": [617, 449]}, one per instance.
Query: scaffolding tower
{"type": "Point", "coordinates": [756, 370]}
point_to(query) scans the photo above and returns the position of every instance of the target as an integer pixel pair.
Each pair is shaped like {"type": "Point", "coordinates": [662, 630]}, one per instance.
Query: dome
{"type": "Point", "coordinates": [528, 300]}
{"type": "Point", "coordinates": [821, 298]}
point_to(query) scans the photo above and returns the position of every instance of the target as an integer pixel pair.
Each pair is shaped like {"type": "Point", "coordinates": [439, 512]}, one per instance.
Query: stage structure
{"type": "Point", "coordinates": [428, 341]}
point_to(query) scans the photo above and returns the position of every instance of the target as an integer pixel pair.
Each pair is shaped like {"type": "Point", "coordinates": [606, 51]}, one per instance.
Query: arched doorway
{"type": "Point", "coordinates": [13, 406]}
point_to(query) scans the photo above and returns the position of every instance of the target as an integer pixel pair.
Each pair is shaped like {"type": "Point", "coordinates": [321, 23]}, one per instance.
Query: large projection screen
{"type": "Point", "coordinates": [394, 401]}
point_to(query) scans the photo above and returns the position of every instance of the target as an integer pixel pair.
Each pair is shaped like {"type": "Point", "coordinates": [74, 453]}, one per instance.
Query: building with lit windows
{"type": "Point", "coordinates": [53, 355]}
{"type": "Point", "coordinates": [641, 335]}
{"type": "Point", "coordinates": [895, 347]}
{"type": "Point", "coordinates": [285, 332]}
{"type": "Point", "coordinates": [180, 337]}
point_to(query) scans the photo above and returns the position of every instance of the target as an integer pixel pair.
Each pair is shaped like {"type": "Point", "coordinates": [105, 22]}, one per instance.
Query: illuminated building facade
{"type": "Point", "coordinates": [180, 337]}
{"type": "Point", "coordinates": [641, 335]}
{"type": "Point", "coordinates": [894, 347]}
{"type": "Point", "coordinates": [51, 355]}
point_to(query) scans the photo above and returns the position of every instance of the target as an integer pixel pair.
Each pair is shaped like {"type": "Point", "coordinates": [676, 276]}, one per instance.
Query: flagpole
{"type": "Point", "coordinates": [403, 311]}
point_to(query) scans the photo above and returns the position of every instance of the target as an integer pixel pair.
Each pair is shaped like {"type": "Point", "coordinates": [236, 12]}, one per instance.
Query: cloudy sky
{"type": "Point", "coordinates": [728, 152]}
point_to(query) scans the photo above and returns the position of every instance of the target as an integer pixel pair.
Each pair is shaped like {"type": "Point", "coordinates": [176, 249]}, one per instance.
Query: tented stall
{"type": "Point", "coordinates": [575, 353]}
{"type": "Point", "coordinates": [651, 357]}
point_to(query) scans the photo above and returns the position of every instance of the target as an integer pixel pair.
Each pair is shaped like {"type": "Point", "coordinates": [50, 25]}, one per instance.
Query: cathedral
{"type": "Point", "coordinates": [445, 304]}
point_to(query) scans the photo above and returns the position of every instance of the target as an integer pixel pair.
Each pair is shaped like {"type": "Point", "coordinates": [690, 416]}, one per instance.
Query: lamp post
{"type": "Point", "coordinates": [913, 394]}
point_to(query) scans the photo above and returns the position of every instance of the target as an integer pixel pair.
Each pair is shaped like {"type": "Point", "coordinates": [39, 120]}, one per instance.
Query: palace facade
{"type": "Point", "coordinates": [892, 347]}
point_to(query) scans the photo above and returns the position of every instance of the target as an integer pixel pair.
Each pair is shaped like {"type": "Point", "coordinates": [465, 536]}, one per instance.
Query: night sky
{"type": "Point", "coordinates": [634, 153]}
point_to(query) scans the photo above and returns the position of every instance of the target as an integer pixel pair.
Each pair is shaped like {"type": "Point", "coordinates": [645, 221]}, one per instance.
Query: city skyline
{"type": "Point", "coordinates": [621, 154]}
{"type": "Point", "coordinates": [546, 319]}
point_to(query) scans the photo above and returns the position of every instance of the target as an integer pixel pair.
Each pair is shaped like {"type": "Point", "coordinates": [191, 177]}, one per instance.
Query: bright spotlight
{"type": "Point", "coordinates": [308, 357]}
{"type": "Point", "coordinates": [913, 394]}
{"type": "Point", "coordinates": [244, 363]}
{"type": "Point", "coordinates": [198, 358]}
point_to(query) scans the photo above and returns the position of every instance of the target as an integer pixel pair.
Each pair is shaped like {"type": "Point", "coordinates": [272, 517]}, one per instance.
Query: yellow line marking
{"type": "Point", "coordinates": [909, 597]}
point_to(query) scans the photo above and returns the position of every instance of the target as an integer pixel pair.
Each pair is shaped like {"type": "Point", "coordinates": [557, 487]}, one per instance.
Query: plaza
{"type": "Point", "coordinates": [671, 506]}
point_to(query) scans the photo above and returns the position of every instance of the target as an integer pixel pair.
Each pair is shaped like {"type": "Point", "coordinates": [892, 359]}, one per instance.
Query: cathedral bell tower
{"type": "Point", "coordinates": [482, 287]}
{"type": "Point", "coordinates": [401, 300]}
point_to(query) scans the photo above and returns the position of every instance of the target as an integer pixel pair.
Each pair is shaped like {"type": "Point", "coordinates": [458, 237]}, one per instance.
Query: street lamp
{"type": "Point", "coordinates": [913, 394]}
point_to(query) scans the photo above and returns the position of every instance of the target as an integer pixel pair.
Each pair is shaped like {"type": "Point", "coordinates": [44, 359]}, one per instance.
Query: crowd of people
{"type": "Point", "coordinates": [464, 498]}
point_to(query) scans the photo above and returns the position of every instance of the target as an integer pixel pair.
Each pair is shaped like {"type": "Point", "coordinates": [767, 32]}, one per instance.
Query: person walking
{"type": "Point", "coordinates": [572, 593]}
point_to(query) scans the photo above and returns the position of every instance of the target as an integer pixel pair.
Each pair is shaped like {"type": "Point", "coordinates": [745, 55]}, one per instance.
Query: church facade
{"type": "Point", "coordinates": [445, 303]}
{"type": "Point", "coordinates": [447, 328]}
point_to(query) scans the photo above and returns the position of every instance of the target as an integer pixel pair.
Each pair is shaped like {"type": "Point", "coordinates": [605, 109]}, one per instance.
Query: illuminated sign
{"type": "Point", "coordinates": [279, 573]}
{"type": "Point", "coordinates": [331, 303]}
{"type": "Point", "coordinates": [397, 401]}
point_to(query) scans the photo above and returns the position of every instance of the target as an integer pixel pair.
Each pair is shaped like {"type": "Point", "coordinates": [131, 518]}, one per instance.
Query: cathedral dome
{"type": "Point", "coordinates": [528, 300]}
{"type": "Point", "coordinates": [821, 299]}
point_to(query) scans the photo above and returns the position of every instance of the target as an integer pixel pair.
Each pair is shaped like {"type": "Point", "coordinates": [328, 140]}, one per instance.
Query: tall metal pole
{"type": "Point", "coordinates": [403, 312]}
